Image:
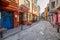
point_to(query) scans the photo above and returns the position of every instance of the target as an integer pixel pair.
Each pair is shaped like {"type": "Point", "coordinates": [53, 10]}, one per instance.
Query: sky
{"type": "Point", "coordinates": [42, 4]}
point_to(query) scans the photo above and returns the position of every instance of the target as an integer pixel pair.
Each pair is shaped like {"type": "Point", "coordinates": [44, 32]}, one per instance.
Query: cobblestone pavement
{"type": "Point", "coordinates": [43, 30]}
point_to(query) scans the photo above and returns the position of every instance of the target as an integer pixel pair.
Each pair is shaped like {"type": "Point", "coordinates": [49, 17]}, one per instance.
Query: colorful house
{"type": "Point", "coordinates": [9, 13]}
{"type": "Point", "coordinates": [53, 17]}
{"type": "Point", "coordinates": [55, 13]}
{"type": "Point", "coordinates": [28, 14]}
{"type": "Point", "coordinates": [23, 14]}
{"type": "Point", "coordinates": [23, 11]}
{"type": "Point", "coordinates": [58, 18]}
{"type": "Point", "coordinates": [35, 11]}
{"type": "Point", "coordinates": [45, 15]}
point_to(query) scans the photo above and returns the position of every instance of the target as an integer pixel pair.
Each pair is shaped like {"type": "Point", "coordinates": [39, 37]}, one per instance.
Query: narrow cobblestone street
{"type": "Point", "coordinates": [29, 19]}
{"type": "Point", "coordinates": [42, 30]}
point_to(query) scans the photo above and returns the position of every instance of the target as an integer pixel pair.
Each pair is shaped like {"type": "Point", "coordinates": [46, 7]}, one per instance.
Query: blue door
{"type": "Point", "coordinates": [7, 19]}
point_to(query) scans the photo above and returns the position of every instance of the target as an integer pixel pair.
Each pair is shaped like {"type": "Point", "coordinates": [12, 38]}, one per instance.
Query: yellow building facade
{"type": "Point", "coordinates": [33, 12]}
{"type": "Point", "coordinates": [45, 15]}
{"type": "Point", "coordinates": [30, 12]}
{"type": "Point", "coordinates": [24, 4]}
{"type": "Point", "coordinates": [36, 10]}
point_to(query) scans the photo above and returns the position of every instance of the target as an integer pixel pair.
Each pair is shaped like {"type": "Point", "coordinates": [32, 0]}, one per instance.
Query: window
{"type": "Point", "coordinates": [48, 8]}
{"type": "Point", "coordinates": [57, 2]}
{"type": "Point", "coordinates": [34, 7]}
{"type": "Point", "coordinates": [35, 1]}
{"type": "Point", "coordinates": [27, 3]}
{"type": "Point", "coordinates": [53, 4]}
{"type": "Point", "coordinates": [29, 16]}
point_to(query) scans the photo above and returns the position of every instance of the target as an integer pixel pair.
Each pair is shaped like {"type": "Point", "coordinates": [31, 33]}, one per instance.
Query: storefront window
{"type": "Point", "coordinates": [24, 17]}
{"type": "Point", "coordinates": [29, 16]}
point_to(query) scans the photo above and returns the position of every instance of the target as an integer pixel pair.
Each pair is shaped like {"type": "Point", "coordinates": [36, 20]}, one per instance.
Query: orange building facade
{"type": "Point", "coordinates": [11, 6]}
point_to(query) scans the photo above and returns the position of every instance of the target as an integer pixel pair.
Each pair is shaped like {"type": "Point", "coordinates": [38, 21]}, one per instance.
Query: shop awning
{"type": "Point", "coordinates": [23, 8]}
{"type": "Point", "coordinates": [53, 11]}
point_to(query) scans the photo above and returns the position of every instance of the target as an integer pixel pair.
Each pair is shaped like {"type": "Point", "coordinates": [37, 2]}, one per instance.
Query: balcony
{"type": "Point", "coordinates": [23, 8]}
{"type": "Point", "coordinates": [13, 4]}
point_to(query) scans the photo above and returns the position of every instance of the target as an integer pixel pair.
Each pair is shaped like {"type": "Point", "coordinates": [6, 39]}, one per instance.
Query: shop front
{"type": "Point", "coordinates": [53, 14]}
{"type": "Point", "coordinates": [55, 19]}
{"type": "Point", "coordinates": [23, 15]}
{"type": "Point", "coordinates": [58, 18]}
{"type": "Point", "coordinates": [30, 18]}
{"type": "Point", "coordinates": [34, 17]}
{"type": "Point", "coordinates": [8, 19]}
{"type": "Point", "coordinates": [58, 15]}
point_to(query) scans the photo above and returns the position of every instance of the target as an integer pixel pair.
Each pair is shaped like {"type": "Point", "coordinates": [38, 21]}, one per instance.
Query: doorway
{"type": "Point", "coordinates": [21, 15]}
{"type": "Point", "coordinates": [7, 19]}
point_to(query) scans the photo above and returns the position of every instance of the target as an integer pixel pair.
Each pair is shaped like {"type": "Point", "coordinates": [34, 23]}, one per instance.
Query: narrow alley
{"type": "Point", "coordinates": [29, 19]}
{"type": "Point", "coordinates": [42, 30]}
